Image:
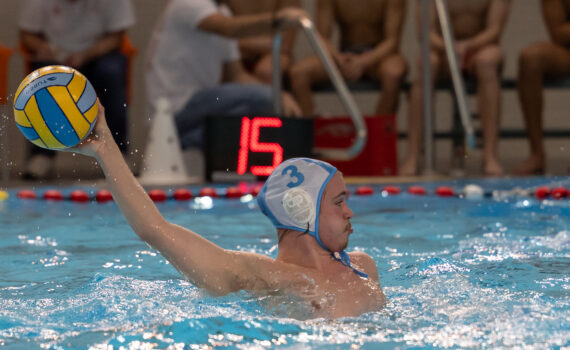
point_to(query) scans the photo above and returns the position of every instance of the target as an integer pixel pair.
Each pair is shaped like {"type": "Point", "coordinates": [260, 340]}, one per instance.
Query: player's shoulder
{"type": "Point", "coordinates": [361, 256]}
{"type": "Point", "coordinates": [365, 262]}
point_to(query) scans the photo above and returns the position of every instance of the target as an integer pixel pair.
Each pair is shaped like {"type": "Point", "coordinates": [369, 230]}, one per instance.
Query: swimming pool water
{"type": "Point", "coordinates": [457, 273]}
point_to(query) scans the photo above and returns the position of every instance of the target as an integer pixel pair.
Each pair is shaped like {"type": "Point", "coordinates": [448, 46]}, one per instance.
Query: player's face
{"type": "Point", "coordinates": [335, 215]}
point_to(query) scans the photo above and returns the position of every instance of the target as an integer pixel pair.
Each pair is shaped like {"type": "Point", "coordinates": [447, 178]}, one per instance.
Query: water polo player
{"type": "Point", "coordinates": [306, 201]}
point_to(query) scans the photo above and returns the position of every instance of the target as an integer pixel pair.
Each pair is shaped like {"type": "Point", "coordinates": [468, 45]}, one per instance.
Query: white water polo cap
{"type": "Point", "coordinates": [291, 196]}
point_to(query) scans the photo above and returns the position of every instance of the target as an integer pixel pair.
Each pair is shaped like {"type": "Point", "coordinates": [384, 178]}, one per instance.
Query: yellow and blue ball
{"type": "Point", "coordinates": [55, 107]}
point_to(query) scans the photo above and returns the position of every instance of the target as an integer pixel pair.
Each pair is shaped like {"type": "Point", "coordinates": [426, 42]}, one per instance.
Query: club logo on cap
{"type": "Point", "coordinates": [299, 206]}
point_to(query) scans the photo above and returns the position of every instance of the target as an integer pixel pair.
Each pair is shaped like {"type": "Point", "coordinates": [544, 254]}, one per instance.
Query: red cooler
{"type": "Point", "coordinates": [378, 157]}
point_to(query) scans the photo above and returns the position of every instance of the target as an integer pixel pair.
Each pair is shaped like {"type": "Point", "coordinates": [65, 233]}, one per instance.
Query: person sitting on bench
{"type": "Point", "coordinates": [477, 26]}
{"type": "Point", "coordinates": [369, 47]}
{"type": "Point", "coordinates": [548, 59]}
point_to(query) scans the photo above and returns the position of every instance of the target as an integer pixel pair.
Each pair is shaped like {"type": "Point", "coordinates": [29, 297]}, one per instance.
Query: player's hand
{"type": "Point", "coordinates": [97, 139]}
{"type": "Point", "coordinates": [353, 67]}
{"type": "Point", "coordinates": [46, 52]}
{"type": "Point", "coordinates": [341, 60]}
{"type": "Point", "coordinates": [462, 54]}
{"type": "Point", "coordinates": [290, 17]}
{"type": "Point", "coordinates": [75, 60]}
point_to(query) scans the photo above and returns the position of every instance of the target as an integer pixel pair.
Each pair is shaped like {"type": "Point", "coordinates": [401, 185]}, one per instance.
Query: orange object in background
{"type": "Point", "coordinates": [379, 156]}
{"type": "Point", "coordinates": [5, 54]}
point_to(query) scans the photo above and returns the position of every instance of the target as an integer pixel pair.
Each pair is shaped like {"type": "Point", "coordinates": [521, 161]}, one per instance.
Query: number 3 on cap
{"type": "Point", "coordinates": [293, 172]}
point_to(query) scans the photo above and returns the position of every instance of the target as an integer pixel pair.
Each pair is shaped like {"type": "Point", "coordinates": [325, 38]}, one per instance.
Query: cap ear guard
{"type": "Point", "coordinates": [299, 206]}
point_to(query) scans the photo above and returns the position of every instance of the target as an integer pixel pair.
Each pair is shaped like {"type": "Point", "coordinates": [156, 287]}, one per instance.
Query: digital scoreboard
{"type": "Point", "coordinates": [254, 146]}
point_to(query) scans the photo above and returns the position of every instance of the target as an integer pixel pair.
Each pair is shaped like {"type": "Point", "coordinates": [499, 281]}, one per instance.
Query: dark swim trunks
{"type": "Point", "coordinates": [357, 49]}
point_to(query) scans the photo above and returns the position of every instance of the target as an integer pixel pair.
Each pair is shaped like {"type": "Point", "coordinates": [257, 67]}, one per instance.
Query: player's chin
{"type": "Point", "coordinates": [339, 245]}
{"type": "Point", "coordinates": [344, 245]}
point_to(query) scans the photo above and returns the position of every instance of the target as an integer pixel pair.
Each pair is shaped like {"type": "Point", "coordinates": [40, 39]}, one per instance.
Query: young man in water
{"type": "Point", "coordinates": [477, 26]}
{"type": "Point", "coordinates": [304, 198]}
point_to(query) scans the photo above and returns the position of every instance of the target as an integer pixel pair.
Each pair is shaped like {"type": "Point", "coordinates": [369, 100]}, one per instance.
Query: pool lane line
{"type": "Point", "coordinates": [470, 191]}
{"type": "Point", "coordinates": [157, 195]}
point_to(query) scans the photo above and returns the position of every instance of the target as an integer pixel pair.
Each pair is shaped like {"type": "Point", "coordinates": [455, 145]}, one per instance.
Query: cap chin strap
{"type": "Point", "coordinates": [345, 260]}
{"type": "Point", "coordinates": [342, 257]}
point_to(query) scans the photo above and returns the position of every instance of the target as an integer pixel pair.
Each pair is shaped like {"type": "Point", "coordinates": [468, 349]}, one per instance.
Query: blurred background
{"type": "Point", "coordinates": [524, 26]}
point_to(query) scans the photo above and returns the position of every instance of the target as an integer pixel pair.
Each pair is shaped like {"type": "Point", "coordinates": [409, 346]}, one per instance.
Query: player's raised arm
{"type": "Point", "coordinates": [201, 261]}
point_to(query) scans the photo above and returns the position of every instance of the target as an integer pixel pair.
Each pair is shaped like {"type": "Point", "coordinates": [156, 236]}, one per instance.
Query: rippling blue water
{"type": "Point", "coordinates": [457, 273]}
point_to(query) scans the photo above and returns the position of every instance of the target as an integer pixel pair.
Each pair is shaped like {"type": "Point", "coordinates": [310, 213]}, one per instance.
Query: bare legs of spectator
{"type": "Point", "coordinates": [390, 72]}
{"type": "Point", "coordinates": [416, 116]}
{"type": "Point", "coordinates": [487, 63]}
{"type": "Point", "coordinates": [263, 68]}
{"type": "Point", "coordinates": [303, 75]}
{"type": "Point", "coordinates": [537, 61]}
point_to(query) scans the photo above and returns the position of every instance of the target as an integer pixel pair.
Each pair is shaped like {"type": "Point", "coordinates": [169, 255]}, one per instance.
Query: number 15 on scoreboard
{"type": "Point", "coordinates": [249, 141]}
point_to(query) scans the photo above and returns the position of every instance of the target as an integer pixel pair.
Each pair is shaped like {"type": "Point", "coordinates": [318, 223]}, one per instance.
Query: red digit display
{"type": "Point", "coordinates": [249, 141]}
{"type": "Point", "coordinates": [243, 146]}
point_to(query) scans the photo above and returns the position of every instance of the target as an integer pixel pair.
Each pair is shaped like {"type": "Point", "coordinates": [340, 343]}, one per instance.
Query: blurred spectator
{"type": "Point", "coordinates": [369, 47]}
{"type": "Point", "coordinates": [86, 35]}
{"type": "Point", "coordinates": [550, 59]}
{"type": "Point", "coordinates": [477, 26]}
{"type": "Point", "coordinates": [194, 63]}
{"type": "Point", "coordinates": [256, 50]}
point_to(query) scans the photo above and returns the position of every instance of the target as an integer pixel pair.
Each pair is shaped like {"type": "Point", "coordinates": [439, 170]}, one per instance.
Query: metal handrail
{"type": "Point", "coordinates": [456, 77]}
{"type": "Point", "coordinates": [427, 90]}
{"type": "Point", "coordinates": [276, 66]}
{"type": "Point", "coordinates": [340, 86]}
{"type": "Point", "coordinates": [458, 84]}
